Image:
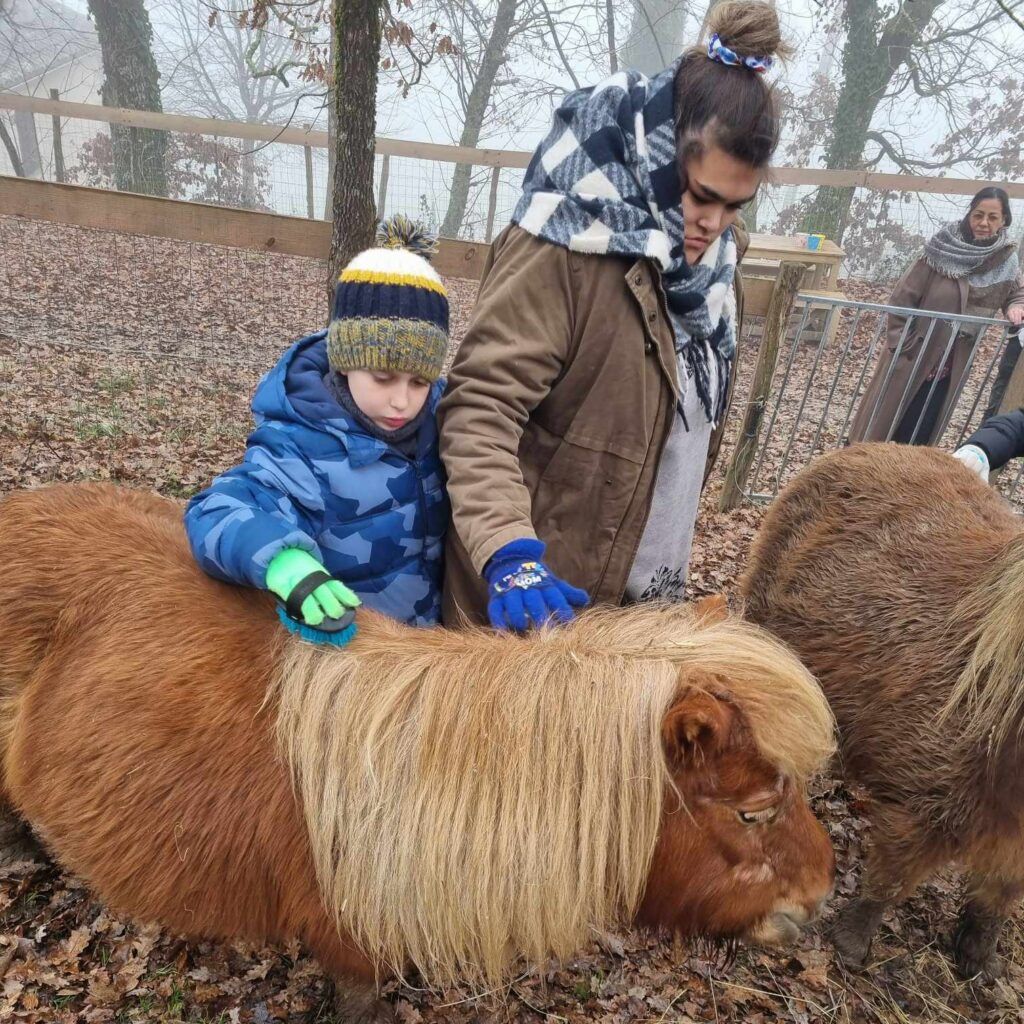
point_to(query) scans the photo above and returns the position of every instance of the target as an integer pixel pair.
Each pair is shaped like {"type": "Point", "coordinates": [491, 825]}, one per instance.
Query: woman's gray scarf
{"type": "Point", "coordinates": [947, 253]}
{"type": "Point", "coordinates": [606, 180]}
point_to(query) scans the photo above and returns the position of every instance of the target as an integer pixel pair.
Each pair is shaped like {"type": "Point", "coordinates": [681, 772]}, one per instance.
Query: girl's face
{"type": "Point", "coordinates": [718, 186]}
{"type": "Point", "coordinates": [387, 397]}
{"type": "Point", "coordinates": [986, 218]}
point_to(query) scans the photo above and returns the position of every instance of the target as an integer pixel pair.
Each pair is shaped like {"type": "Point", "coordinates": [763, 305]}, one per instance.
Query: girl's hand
{"type": "Point", "coordinates": [1015, 314]}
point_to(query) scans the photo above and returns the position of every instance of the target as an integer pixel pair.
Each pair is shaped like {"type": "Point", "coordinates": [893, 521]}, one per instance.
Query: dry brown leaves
{"type": "Point", "coordinates": [134, 359]}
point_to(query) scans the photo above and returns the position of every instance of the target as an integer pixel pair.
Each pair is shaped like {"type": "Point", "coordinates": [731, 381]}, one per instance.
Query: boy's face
{"type": "Point", "coordinates": [387, 397]}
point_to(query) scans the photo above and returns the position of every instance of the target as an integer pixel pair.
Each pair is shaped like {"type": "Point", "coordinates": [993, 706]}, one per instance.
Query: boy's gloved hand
{"type": "Point", "coordinates": [331, 598]}
{"type": "Point", "coordinates": [974, 459]}
{"type": "Point", "coordinates": [523, 591]}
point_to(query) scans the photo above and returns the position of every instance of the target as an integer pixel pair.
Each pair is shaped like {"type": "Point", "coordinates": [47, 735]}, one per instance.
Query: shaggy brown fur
{"type": "Point", "coordinates": [898, 577]}
{"type": "Point", "coordinates": [459, 800]}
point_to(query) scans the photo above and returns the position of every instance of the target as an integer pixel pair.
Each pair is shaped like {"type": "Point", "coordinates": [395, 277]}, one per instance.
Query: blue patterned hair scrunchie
{"type": "Point", "coordinates": [717, 50]}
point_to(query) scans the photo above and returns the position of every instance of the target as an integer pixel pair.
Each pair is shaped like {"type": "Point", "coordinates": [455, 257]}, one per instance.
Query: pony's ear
{"type": "Point", "coordinates": [696, 726]}
{"type": "Point", "coordinates": [711, 609]}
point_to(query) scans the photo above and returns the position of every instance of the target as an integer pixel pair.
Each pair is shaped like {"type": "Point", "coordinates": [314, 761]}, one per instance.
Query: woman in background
{"type": "Point", "coordinates": [968, 267]}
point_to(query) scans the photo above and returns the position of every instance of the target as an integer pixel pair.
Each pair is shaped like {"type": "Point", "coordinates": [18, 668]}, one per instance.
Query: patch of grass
{"type": "Point", "coordinates": [176, 1000]}
{"type": "Point", "coordinates": [117, 383]}
{"type": "Point", "coordinates": [176, 488]}
{"type": "Point", "coordinates": [92, 423]}
{"type": "Point", "coordinates": [144, 1002]}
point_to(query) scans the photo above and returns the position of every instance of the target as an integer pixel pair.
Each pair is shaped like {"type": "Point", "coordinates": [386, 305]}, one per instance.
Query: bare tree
{"type": "Point", "coordinates": [657, 34]}
{"type": "Point", "coordinates": [509, 60]}
{"type": "Point", "coordinates": [909, 51]}
{"type": "Point", "coordinates": [356, 32]}
{"type": "Point", "coordinates": [481, 82]}
{"type": "Point", "coordinates": [131, 80]}
{"type": "Point", "coordinates": [222, 65]}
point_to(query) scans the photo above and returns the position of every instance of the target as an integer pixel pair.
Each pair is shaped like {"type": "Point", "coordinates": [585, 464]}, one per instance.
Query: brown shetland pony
{"type": "Point", "coordinates": [898, 577]}
{"type": "Point", "coordinates": [451, 800]}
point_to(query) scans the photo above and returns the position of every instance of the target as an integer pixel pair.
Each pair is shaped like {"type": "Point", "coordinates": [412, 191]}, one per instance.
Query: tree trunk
{"type": "Point", "coordinates": [332, 133]}
{"type": "Point", "coordinates": [131, 80]}
{"type": "Point", "coordinates": [870, 60]}
{"type": "Point", "coordinates": [28, 143]}
{"type": "Point", "coordinates": [12, 151]}
{"type": "Point", "coordinates": [656, 35]}
{"type": "Point", "coordinates": [355, 37]}
{"type": "Point", "coordinates": [476, 110]}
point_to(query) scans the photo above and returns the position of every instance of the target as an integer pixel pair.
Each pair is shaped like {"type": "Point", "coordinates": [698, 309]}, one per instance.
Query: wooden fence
{"type": "Point", "coordinates": [107, 210]}
{"type": "Point", "coordinates": [496, 159]}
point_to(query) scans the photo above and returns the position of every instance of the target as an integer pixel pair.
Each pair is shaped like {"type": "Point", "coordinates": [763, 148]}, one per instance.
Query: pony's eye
{"type": "Point", "coordinates": [761, 817]}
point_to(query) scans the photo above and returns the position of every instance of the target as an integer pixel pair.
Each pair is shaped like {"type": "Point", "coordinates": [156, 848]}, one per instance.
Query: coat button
{"type": "Point", "coordinates": [652, 315]}
{"type": "Point", "coordinates": [648, 346]}
{"type": "Point", "coordinates": [638, 280]}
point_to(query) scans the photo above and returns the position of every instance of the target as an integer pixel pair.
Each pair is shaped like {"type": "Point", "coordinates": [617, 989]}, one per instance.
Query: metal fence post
{"type": "Point", "coordinates": [58, 146]}
{"type": "Point", "coordinates": [382, 188]}
{"type": "Point", "coordinates": [780, 306]}
{"type": "Point", "coordinates": [1013, 397]}
{"type": "Point", "coordinates": [310, 209]}
{"type": "Point", "coordinates": [492, 202]}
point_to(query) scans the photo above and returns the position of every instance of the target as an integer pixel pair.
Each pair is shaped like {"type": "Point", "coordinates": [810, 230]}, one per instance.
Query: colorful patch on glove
{"type": "Point", "coordinates": [529, 574]}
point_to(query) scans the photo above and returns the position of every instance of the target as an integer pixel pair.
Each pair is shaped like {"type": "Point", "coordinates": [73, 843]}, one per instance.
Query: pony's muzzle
{"type": "Point", "coordinates": [783, 925]}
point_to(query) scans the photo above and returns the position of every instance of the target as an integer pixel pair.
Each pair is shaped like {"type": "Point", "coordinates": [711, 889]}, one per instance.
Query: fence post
{"type": "Point", "coordinates": [1013, 396]}
{"type": "Point", "coordinates": [382, 189]}
{"type": "Point", "coordinates": [780, 306]}
{"type": "Point", "coordinates": [58, 146]}
{"type": "Point", "coordinates": [492, 202]}
{"type": "Point", "coordinates": [308, 153]}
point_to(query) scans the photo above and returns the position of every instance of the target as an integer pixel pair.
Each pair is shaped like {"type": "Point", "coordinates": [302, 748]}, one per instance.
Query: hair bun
{"type": "Point", "coordinates": [748, 27]}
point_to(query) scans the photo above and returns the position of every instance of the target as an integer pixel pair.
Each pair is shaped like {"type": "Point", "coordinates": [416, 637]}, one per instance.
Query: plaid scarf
{"type": "Point", "coordinates": [606, 180]}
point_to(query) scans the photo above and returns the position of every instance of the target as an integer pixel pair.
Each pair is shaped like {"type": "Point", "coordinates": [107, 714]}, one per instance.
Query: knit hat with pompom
{"type": "Point", "coordinates": [390, 308]}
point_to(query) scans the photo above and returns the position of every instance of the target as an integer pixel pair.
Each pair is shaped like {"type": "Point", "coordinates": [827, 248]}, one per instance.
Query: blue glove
{"type": "Point", "coordinates": [524, 592]}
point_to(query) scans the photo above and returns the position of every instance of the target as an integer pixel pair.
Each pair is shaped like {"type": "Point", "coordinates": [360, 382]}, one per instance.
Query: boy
{"type": "Point", "coordinates": [340, 498]}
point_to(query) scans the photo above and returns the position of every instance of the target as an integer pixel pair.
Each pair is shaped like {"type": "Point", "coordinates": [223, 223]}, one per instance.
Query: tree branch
{"type": "Point", "coordinates": [1010, 13]}
{"type": "Point", "coordinates": [558, 45]}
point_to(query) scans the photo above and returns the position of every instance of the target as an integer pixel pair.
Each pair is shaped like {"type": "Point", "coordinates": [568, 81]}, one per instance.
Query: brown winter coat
{"type": "Point", "coordinates": [557, 409]}
{"type": "Point", "coordinates": [921, 287]}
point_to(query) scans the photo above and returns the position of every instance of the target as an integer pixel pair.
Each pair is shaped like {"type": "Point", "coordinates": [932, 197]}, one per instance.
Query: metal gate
{"type": "Point", "coordinates": [822, 371]}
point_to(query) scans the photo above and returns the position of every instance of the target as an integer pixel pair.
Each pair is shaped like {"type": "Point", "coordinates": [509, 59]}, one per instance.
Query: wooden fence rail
{"type": "Point", "coordinates": [198, 222]}
{"type": "Point", "coordinates": [462, 154]}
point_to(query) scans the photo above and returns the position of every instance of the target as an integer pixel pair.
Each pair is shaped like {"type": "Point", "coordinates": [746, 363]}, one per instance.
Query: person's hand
{"type": "Point", "coordinates": [330, 598]}
{"type": "Point", "coordinates": [524, 592]}
{"type": "Point", "coordinates": [1015, 314]}
{"type": "Point", "coordinates": [974, 459]}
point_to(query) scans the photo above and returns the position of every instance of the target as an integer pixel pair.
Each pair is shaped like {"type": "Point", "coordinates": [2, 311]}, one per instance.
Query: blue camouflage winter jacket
{"type": "Point", "coordinates": [312, 478]}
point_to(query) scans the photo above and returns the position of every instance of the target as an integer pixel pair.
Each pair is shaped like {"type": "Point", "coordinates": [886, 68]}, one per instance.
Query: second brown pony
{"type": "Point", "coordinates": [898, 577]}
{"type": "Point", "coordinates": [453, 800]}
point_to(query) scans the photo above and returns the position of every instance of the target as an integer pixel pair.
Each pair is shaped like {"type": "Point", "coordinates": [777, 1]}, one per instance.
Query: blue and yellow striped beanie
{"type": "Point", "coordinates": [390, 307]}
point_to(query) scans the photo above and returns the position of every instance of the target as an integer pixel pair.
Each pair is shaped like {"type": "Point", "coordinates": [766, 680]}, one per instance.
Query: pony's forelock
{"type": "Point", "coordinates": [472, 797]}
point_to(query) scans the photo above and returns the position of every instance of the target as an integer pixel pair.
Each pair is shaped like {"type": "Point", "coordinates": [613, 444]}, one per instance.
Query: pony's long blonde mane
{"type": "Point", "coordinates": [988, 696]}
{"type": "Point", "coordinates": [473, 798]}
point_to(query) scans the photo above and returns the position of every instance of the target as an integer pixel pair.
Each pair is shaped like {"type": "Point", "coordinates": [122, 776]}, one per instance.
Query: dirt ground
{"type": "Point", "coordinates": [133, 359]}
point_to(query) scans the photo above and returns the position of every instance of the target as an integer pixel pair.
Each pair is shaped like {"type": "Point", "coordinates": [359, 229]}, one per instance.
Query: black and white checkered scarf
{"type": "Point", "coordinates": [606, 180]}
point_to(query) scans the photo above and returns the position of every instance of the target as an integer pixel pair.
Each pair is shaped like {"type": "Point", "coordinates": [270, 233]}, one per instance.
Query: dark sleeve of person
{"type": "Point", "coordinates": [1001, 438]}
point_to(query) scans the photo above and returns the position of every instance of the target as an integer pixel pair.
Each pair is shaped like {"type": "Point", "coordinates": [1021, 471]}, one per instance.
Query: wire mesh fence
{"type": "Point", "coordinates": [289, 178]}
{"type": "Point", "coordinates": [278, 177]}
